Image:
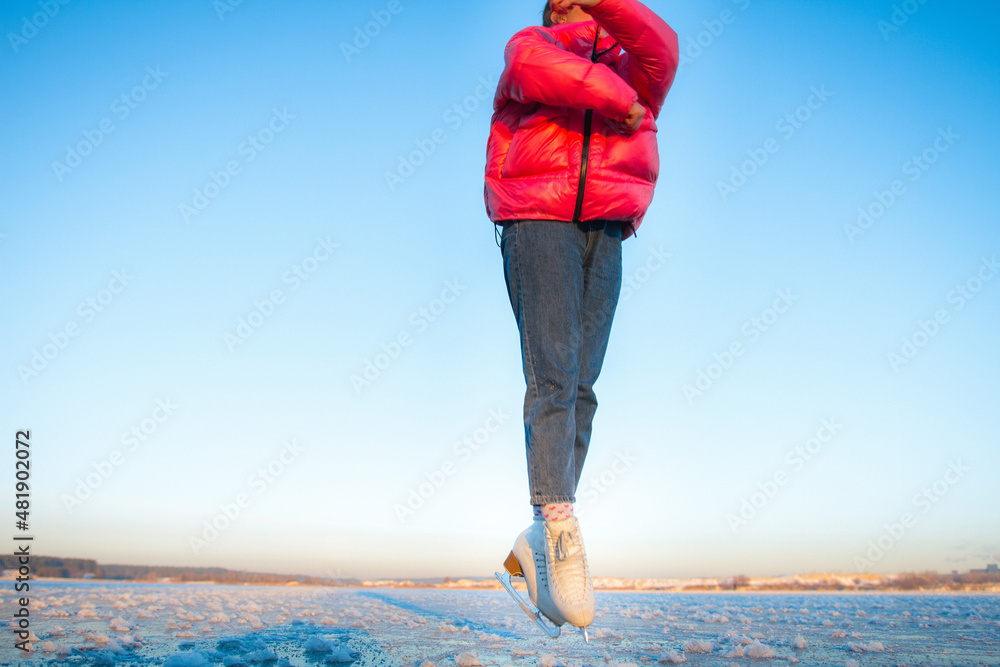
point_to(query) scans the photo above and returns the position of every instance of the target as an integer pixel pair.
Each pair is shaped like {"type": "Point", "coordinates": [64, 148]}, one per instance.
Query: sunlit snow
{"type": "Point", "coordinates": [102, 623]}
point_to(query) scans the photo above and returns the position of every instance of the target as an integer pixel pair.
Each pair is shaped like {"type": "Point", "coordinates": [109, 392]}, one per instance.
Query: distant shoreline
{"type": "Point", "coordinates": [487, 585]}
{"type": "Point", "coordinates": [53, 568]}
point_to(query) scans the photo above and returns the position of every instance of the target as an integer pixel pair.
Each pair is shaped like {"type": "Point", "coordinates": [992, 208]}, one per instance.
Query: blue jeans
{"type": "Point", "coordinates": [563, 280]}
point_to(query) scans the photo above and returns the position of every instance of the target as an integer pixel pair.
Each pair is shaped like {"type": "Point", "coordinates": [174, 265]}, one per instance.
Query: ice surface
{"type": "Point", "coordinates": [131, 624]}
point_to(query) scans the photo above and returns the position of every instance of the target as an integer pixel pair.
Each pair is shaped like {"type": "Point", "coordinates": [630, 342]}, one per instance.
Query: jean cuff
{"type": "Point", "coordinates": [550, 500]}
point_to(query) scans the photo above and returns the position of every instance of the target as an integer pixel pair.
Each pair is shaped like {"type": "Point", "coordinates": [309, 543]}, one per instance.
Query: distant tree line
{"type": "Point", "coordinates": [909, 581]}
{"type": "Point", "coordinates": [80, 568]}
{"type": "Point", "coordinates": [47, 566]}
{"type": "Point", "coordinates": [906, 581]}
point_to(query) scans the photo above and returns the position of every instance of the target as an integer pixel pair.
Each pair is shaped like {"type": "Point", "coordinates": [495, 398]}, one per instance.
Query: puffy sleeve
{"type": "Point", "coordinates": [651, 51]}
{"type": "Point", "coordinates": [538, 69]}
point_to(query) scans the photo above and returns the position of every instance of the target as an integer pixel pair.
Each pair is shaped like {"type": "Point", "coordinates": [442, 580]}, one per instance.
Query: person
{"type": "Point", "coordinates": [570, 169]}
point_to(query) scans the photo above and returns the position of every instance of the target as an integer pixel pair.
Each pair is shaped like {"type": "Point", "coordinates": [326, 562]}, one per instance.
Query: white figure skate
{"type": "Point", "coordinates": [570, 585]}
{"type": "Point", "coordinates": [527, 559]}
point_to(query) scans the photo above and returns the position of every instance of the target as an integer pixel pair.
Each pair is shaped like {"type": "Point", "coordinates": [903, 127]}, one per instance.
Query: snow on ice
{"type": "Point", "coordinates": [132, 624]}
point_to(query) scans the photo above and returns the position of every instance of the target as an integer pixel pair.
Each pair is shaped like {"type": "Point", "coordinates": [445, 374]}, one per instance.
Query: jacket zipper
{"type": "Point", "coordinates": [581, 186]}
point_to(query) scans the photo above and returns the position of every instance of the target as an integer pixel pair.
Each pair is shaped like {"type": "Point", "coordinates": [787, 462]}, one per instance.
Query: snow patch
{"type": "Point", "coordinates": [261, 655]}
{"type": "Point", "coordinates": [871, 647]}
{"type": "Point", "coordinates": [758, 650]}
{"type": "Point", "coordinates": [697, 646]}
{"type": "Point", "coordinates": [102, 659]}
{"type": "Point", "coordinates": [119, 624]}
{"type": "Point", "coordinates": [673, 657]}
{"type": "Point", "coordinates": [187, 659]}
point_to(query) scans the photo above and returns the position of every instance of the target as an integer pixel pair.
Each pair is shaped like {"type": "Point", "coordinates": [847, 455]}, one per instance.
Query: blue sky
{"type": "Point", "coordinates": [203, 244]}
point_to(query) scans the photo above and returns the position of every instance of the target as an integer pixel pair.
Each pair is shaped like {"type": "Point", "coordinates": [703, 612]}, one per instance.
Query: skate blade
{"type": "Point", "coordinates": [533, 613]}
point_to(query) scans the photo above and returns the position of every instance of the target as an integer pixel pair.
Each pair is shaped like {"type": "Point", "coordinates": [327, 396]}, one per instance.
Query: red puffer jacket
{"type": "Point", "coordinates": [555, 150]}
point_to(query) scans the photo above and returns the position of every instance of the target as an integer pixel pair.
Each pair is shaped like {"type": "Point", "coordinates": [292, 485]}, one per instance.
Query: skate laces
{"type": "Point", "coordinates": [538, 554]}
{"type": "Point", "coordinates": [567, 545]}
{"type": "Point", "coordinates": [570, 565]}
{"type": "Point", "coordinates": [540, 571]}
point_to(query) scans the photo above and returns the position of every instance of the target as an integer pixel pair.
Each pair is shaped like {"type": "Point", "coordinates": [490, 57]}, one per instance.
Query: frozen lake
{"type": "Point", "coordinates": [101, 623]}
